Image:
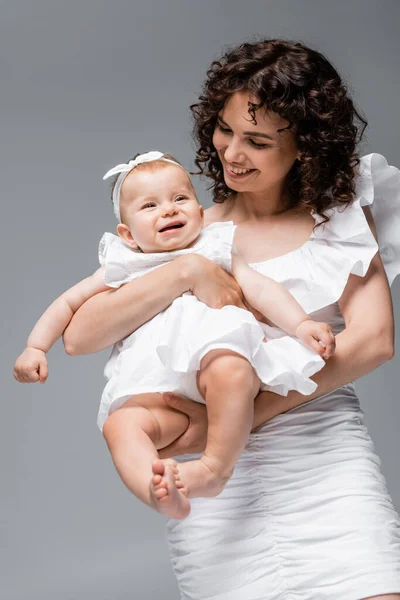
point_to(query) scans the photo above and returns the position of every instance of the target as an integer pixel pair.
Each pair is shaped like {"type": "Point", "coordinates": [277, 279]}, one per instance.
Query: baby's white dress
{"type": "Point", "coordinates": [165, 353]}
{"type": "Point", "coordinates": [306, 515]}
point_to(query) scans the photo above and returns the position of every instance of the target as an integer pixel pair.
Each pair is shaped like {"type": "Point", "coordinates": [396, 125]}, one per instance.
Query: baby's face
{"type": "Point", "coordinates": [160, 209]}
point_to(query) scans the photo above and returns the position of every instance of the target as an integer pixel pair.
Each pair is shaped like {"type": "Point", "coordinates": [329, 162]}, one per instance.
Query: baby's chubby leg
{"type": "Point", "coordinates": [133, 433]}
{"type": "Point", "coordinates": [229, 384]}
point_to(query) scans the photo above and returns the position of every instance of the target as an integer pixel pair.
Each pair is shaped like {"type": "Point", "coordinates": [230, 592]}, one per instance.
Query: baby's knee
{"type": "Point", "coordinates": [232, 370]}
{"type": "Point", "coordinates": [122, 425]}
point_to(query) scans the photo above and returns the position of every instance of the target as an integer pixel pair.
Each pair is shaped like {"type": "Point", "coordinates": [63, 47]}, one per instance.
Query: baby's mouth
{"type": "Point", "coordinates": [171, 226]}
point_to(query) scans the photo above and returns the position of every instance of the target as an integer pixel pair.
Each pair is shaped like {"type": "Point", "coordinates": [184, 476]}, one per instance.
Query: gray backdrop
{"type": "Point", "coordinates": [84, 85]}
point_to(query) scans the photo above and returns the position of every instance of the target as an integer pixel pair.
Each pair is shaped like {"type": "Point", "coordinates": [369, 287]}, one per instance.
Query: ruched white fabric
{"type": "Point", "coordinates": [165, 353]}
{"type": "Point", "coordinates": [306, 515]}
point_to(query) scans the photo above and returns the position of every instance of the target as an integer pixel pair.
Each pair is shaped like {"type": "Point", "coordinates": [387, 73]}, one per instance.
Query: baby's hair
{"type": "Point", "coordinates": [151, 165]}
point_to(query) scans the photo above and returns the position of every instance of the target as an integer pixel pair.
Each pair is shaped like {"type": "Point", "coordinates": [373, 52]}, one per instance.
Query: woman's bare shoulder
{"type": "Point", "coordinates": [216, 212]}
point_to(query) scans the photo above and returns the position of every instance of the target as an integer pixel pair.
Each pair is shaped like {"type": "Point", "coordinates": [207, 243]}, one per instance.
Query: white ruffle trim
{"type": "Point", "coordinates": [317, 272]}
{"type": "Point", "coordinates": [192, 329]}
{"type": "Point", "coordinates": [379, 187]}
{"type": "Point", "coordinates": [122, 264]}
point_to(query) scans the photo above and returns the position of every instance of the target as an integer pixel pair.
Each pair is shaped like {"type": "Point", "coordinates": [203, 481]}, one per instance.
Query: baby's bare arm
{"type": "Point", "coordinates": [112, 315]}
{"type": "Point", "coordinates": [278, 305]}
{"type": "Point", "coordinates": [55, 319]}
{"type": "Point", "coordinates": [31, 365]}
{"type": "Point", "coordinates": [268, 296]}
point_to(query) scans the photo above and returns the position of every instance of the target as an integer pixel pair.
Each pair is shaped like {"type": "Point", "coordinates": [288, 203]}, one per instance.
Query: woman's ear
{"type": "Point", "coordinates": [126, 236]}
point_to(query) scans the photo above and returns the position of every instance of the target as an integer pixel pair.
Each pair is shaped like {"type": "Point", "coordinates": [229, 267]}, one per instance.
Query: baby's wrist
{"type": "Point", "coordinates": [301, 324]}
{"type": "Point", "coordinates": [31, 347]}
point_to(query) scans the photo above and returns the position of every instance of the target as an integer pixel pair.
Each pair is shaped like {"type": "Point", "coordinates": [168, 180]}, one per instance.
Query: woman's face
{"type": "Point", "coordinates": [255, 156]}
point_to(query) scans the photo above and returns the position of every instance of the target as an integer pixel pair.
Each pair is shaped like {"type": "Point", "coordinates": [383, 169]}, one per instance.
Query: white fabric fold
{"type": "Point", "coordinates": [317, 272]}
{"type": "Point", "coordinates": [307, 513]}
{"type": "Point", "coordinates": [165, 353]}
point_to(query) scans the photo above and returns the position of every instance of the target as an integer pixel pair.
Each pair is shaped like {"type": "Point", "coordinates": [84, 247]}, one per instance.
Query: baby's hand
{"type": "Point", "coordinates": [31, 366]}
{"type": "Point", "coordinates": [317, 336]}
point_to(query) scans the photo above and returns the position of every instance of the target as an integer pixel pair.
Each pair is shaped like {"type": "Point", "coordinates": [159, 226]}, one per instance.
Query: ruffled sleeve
{"type": "Point", "coordinates": [317, 272]}
{"type": "Point", "coordinates": [216, 243]}
{"type": "Point", "coordinates": [121, 264]}
{"type": "Point", "coordinates": [378, 186]}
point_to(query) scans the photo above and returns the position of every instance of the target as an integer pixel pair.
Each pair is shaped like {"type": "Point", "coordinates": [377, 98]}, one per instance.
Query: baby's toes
{"type": "Point", "coordinates": [158, 484]}
{"type": "Point", "coordinates": [156, 479]}
{"type": "Point", "coordinates": [160, 493]}
{"type": "Point", "coordinates": [171, 464]}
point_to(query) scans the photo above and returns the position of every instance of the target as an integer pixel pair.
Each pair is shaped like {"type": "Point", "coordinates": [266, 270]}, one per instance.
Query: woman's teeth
{"type": "Point", "coordinates": [238, 171]}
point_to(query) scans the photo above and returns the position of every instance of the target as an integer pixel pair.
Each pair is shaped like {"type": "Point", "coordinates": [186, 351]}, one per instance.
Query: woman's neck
{"type": "Point", "coordinates": [247, 206]}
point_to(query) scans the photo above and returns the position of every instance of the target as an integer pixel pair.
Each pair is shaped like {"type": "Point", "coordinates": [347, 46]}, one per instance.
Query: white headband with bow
{"type": "Point", "coordinates": [124, 169]}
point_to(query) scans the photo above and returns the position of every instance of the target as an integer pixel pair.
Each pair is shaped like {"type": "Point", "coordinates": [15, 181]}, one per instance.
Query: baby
{"type": "Point", "coordinates": [220, 357]}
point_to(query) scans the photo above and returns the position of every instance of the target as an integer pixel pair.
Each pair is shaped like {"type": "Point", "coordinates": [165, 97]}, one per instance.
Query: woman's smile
{"type": "Point", "coordinates": [237, 172]}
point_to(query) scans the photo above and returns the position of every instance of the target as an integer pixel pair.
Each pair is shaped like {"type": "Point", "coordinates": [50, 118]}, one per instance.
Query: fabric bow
{"type": "Point", "coordinates": [127, 167]}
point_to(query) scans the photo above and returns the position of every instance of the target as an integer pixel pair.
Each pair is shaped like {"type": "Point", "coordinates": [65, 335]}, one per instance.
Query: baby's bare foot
{"type": "Point", "coordinates": [201, 478]}
{"type": "Point", "coordinates": [166, 490]}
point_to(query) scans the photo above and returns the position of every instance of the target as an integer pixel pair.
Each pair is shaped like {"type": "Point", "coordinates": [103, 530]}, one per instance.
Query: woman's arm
{"type": "Point", "coordinates": [365, 343]}
{"type": "Point", "coordinates": [114, 314]}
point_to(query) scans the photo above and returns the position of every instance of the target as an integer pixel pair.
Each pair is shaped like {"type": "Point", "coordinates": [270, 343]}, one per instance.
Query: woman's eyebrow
{"type": "Point", "coordinates": [252, 133]}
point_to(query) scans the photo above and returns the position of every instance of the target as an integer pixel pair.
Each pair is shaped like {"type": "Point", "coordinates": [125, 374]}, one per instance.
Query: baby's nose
{"type": "Point", "coordinates": [169, 208]}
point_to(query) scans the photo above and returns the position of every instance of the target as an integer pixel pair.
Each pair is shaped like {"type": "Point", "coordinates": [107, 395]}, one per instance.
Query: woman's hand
{"type": "Point", "coordinates": [215, 287]}
{"type": "Point", "coordinates": [193, 441]}
{"type": "Point", "coordinates": [109, 316]}
{"type": "Point", "coordinates": [212, 285]}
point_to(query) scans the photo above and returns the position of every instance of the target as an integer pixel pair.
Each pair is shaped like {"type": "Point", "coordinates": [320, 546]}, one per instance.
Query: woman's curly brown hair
{"type": "Point", "coordinates": [302, 87]}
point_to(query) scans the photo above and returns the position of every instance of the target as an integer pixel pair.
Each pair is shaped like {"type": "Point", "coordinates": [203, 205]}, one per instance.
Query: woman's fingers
{"type": "Point", "coordinates": [214, 286]}
{"type": "Point", "coordinates": [184, 405]}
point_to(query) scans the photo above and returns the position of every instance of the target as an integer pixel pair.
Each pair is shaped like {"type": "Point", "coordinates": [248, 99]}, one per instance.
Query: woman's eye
{"type": "Point", "coordinates": [223, 129]}
{"type": "Point", "coordinates": [260, 146]}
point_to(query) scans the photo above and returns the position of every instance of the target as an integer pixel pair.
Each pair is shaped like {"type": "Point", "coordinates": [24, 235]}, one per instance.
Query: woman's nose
{"type": "Point", "coordinates": [233, 152]}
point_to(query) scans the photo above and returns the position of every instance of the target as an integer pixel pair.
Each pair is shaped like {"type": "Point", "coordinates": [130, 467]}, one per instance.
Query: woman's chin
{"type": "Point", "coordinates": [237, 186]}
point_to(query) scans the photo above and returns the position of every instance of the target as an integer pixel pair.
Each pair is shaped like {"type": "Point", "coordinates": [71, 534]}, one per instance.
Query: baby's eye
{"type": "Point", "coordinates": [149, 205]}
{"type": "Point", "coordinates": [180, 198]}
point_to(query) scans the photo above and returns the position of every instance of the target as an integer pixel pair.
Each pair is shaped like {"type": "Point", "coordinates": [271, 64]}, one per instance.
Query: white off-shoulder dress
{"type": "Point", "coordinates": [306, 515]}
{"type": "Point", "coordinates": [165, 353]}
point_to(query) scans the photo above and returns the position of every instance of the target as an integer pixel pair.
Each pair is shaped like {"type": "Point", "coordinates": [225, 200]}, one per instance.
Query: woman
{"type": "Point", "coordinates": [306, 514]}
